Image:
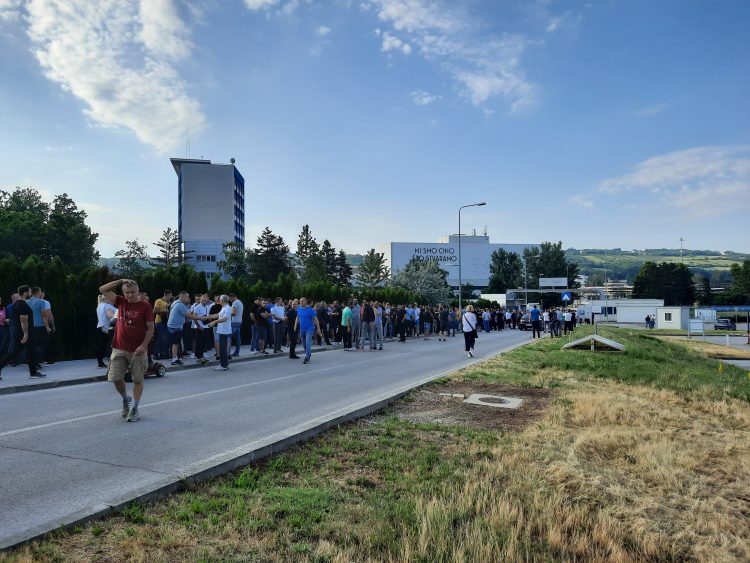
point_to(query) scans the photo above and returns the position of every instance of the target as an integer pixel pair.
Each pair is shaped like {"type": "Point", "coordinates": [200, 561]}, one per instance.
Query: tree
{"type": "Point", "coordinates": [68, 236]}
{"type": "Point", "coordinates": [170, 254]}
{"type": "Point", "coordinates": [329, 257]}
{"type": "Point", "coordinates": [425, 278]}
{"type": "Point", "coordinates": [270, 259]}
{"type": "Point", "coordinates": [505, 271]}
{"type": "Point", "coordinates": [669, 281]}
{"type": "Point", "coordinates": [23, 223]}
{"type": "Point", "coordinates": [307, 246]}
{"type": "Point", "coordinates": [372, 271]}
{"type": "Point", "coordinates": [740, 278]}
{"type": "Point", "coordinates": [235, 262]}
{"type": "Point", "coordinates": [130, 260]}
{"type": "Point", "coordinates": [467, 291]}
{"type": "Point", "coordinates": [31, 227]}
{"type": "Point", "coordinates": [704, 292]}
{"type": "Point", "coordinates": [343, 275]}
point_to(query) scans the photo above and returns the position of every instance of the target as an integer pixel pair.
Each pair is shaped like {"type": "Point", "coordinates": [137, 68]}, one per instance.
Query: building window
{"type": "Point", "coordinates": [668, 317]}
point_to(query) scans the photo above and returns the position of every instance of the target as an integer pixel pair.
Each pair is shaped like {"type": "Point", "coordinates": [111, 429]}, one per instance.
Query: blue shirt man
{"type": "Point", "coordinates": [307, 321]}
{"type": "Point", "coordinates": [177, 315]}
{"type": "Point", "coordinates": [535, 314]}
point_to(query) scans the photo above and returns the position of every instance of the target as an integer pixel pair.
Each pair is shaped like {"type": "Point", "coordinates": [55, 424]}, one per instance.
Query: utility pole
{"type": "Point", "coordinates": [459, 249]}
{"type": "Point", "coordinates": [681, 239]}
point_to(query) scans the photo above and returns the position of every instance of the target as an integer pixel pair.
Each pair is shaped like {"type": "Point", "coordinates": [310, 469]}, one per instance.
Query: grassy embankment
{"type": "Point", "coordinates": [643, 455]}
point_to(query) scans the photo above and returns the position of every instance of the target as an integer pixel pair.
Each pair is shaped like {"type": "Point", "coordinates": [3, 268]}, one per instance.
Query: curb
{"type": "Point", "coordinates": [95, 378]}
{"type": "Point", "coordinates": [235, 458]}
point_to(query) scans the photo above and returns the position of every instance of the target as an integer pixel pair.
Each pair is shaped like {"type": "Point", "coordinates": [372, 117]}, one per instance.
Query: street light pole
{"type": "Point", "coordinates": [459, 248]}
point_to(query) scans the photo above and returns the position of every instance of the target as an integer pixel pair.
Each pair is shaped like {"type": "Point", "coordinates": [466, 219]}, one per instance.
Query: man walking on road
{"type": "Point", "coordinates": [306, 320]}
{"type": "Point", "coordinates": [23, 322]}
{"type": "Point", "coordinates": [291, 318]}
{"type": "Point", "coordinates": [133, 332]}
{"type": "Point", "coordinates": [535, 316]}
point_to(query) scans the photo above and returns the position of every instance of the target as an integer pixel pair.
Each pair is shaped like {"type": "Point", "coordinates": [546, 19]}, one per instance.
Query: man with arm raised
{"type": "Point", "coordinates": [133, 333]}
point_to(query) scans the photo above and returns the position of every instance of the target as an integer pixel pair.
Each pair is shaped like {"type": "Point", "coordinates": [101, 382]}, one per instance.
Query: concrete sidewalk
{"type": "Point", "coordinates": [75, 372]}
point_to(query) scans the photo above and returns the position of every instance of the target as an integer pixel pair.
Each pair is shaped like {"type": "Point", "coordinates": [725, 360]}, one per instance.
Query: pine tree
{"type": "Point", "coordinates": [235, 262]}
{"type": "Point", "coordinates": [307, 246]}
{"type": "Point", "coordinates": [131, 259]}
{"type": "Point", "coordinates": [270, 258]}
{"type": "Point", "coordinates": [169, 249]}
{"type": "Point", "coordinates": [372, 271]}
{"type": "Point", "coordinates": [329, 257]}
{"type": "Point", "coordinates": [343, 276]}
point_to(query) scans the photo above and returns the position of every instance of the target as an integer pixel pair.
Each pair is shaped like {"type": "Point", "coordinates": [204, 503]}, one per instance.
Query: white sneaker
{"type": "Point", "coordinates": [220, 368]}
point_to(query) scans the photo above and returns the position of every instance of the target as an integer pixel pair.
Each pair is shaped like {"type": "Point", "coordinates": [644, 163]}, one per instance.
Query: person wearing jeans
{"type": "Point", "coordinates": [278, 315]}
{"type": "Point", "coordinates": [376, 334]}
{"type": "Point", "coordinates": [237, 311]}
{"type": "Point", "coordinates": [306, 323]}
{"type": "Point", "coordinates": [223, 324]}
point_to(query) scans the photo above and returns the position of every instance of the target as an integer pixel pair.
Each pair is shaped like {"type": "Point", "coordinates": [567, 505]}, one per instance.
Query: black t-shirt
{"type": "Point", "coordinates": [368, 314]}
{"type": "Point", "coordinates": [291, 315]}
{"type": "Point", "coordinates": [444, 316]}
{"type": "Point", "coordinates": [253, 311]}
{"type": "Point", "coordinates": [260, 320]}
{"type": "Point", "coordinates": [322, 313]}
{"type": "Point", "coordinates": [215, 309]}
{"type": "Point", "coordinates": [21, 308]}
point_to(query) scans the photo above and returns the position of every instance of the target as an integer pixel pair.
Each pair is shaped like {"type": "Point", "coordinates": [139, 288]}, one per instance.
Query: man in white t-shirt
{"type": "Point", "coordinates": [568, 316]}
{"type": "Point", "coordinates": [278, 316]}
{"type": "Point", "coordinates": [545, 318]}
{"type": "Point", "coordinates": [223, 324]}
{"type": "Point", "coordinates": [201, 310]}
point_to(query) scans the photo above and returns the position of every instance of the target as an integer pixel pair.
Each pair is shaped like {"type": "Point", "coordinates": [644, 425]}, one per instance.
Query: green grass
{"type": "Point", "coordinates": [359, 492]}
{"type": "Point", "coordinates": [646, 361]}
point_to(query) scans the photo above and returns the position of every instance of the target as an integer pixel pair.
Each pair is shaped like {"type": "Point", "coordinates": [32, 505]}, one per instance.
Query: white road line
{"type": "Point", "coordinates": [192, 396]}
{"type": "Point", "coordinates": [242, 386]}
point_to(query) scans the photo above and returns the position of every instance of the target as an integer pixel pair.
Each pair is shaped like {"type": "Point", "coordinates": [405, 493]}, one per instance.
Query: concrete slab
{"type": "Point", "coordinates": [494, 401]}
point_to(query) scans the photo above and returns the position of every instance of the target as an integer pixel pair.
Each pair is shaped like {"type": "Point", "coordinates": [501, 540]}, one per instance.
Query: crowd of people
{"type": "Point", "coordinates": [131, 331]}
{"type": "Point", "coordinates": [27, 331]}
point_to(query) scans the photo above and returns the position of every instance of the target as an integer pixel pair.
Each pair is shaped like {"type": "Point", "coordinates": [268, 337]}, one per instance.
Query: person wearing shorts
{"type": "Point", "coordinates": [133, 332]}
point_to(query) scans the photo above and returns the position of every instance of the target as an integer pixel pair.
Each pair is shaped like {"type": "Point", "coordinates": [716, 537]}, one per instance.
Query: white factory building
{"type": "Point", "coordinates": [211, 210]}
{"type": "Point", "coordinates": [476, 251]}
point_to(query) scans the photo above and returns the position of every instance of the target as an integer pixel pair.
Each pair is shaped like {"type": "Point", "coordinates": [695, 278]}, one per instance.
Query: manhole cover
{"type": "Point", "coordinates": [494, 401]}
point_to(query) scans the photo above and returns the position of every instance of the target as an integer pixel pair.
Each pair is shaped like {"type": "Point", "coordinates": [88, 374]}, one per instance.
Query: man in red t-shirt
{"type": "Point", "coordinates": [133, 332]}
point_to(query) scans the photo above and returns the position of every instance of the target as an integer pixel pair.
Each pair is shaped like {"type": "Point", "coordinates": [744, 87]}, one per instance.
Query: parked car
{"type": "Point", "coordinates": [524, 323]}
{"type": "Point", "coordinates": [725, 324]}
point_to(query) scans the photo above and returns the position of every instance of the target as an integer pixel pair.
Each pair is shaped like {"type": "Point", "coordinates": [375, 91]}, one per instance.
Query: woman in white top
{"type": "Point", "coordinates": [469, 320]}
{"type": "Point", "coordinates": [104, 314]}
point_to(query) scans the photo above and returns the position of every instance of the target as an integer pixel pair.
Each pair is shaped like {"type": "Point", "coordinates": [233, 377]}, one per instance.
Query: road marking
{"type": "Point", "coordinates": [242, 386]}
{"type": "Point", "coordinates": [192, 396]}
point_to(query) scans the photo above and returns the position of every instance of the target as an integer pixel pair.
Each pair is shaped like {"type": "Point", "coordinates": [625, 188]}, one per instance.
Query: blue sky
{"type": "Point", "coordinates": [602, 124]}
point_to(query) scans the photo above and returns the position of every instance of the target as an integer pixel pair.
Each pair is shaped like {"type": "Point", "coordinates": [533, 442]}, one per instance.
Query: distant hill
{"type": "Point", "coordinates": [625, 264]}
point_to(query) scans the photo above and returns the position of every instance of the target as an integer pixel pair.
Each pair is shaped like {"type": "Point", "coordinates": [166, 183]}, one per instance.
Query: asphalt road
{"type": "Point", "coordinates": [65, 451]}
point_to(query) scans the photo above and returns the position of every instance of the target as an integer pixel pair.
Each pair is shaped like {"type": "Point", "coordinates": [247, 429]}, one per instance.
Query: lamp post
{"type": "Point", "coordinates": [459, 248]}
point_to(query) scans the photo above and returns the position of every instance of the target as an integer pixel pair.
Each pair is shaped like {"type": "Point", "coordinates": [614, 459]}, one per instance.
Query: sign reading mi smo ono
{"type": "Point", "coordinates": [435, 254]}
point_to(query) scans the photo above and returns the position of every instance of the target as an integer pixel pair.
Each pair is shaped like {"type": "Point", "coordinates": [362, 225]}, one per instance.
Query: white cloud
{"type": "Point", "coordinates": [422, 98]}
{"type": "Point", "coordinates": [483, 67]}
{"type": "Point", "coordinates": [163, 32]}
{"type": "Point", "coordinates": [260, 4]}
{"type": "Point", "coordinates": [119, 59]}
{"type": "Point", "coordinates": [10, 10]}
{"type": "Point", "coordinates": [393, 43]}
{"type": "Point", "coordinates": [581, 200]}
{"type": "Point", "coordinates": [651, 110]}
{"type": "Point", "coordinates": [323, 30]}
{"type": "Point", "coordinates": [707, 180]}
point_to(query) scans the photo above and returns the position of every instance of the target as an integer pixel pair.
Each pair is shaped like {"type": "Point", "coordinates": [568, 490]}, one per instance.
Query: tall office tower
{"type": "Point", "coordinates": [211, 210]}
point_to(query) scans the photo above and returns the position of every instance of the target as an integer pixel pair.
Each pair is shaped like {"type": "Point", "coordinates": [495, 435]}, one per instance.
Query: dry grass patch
{"type": "Point", "coordinates": [611, 473]}
{"type": "Point", "coordinates": [710, 349]}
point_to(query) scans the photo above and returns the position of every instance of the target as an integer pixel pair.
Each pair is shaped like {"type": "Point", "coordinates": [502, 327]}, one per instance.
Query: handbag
{"type": "Point", "coordinates": [473, 332]}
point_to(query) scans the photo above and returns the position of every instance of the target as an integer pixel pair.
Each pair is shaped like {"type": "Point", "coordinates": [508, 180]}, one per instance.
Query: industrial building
{"type": "Point", "coordinates": [476, 252]}
{"type": "Point", "coordinates": [211, 210]}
